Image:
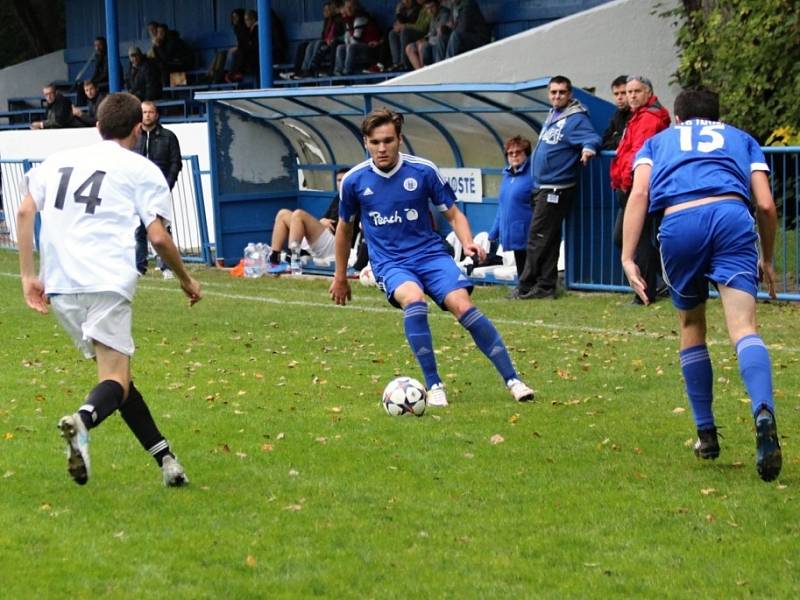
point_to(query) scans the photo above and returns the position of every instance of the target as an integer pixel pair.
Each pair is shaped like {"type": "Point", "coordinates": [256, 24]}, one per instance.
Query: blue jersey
{"type": "Point", "coordinates": [698, 159]}
{"type": "Point", "coordinates": [394, 209]}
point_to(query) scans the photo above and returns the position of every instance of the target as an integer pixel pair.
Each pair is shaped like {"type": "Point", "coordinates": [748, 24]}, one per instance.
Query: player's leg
{"type": "Point", "coordinates": [698, 378]}
{"type": "Point", "coordinates": [756, 371]}
{"type": "Point", "coordinates": [304, 225]}
{"type": "Point", "coordinates": [280, 234]}
{"type": "Point", "coordinates": [487, 339]}
{"type": "Point", "coordinates": [137, 417]}
{"type": "Point", "coordinates": [410, 297]}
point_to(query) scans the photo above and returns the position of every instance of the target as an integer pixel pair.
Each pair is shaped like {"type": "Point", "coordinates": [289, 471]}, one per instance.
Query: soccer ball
{"type": "Point", "coordinates": [366, 277]}
{"type": "Point", "coordinates": [405, 396]}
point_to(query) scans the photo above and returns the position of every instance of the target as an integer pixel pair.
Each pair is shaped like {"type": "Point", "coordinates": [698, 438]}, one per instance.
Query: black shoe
{"type": "Point", "coordinates": [768, 449]}
{"type": "Point", "coordinates": [538, 294]}
{"type": "Point", "coordinates": [707, 444]}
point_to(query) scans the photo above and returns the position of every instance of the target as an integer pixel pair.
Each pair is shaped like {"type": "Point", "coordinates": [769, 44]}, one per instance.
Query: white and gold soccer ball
{"type": "Point", "coordinates": [366, 277]}
{"type": "Point", "coordinates": [404, 396]}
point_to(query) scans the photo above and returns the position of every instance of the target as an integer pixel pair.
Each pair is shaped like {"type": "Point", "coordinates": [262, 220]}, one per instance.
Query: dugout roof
{"type": "Point", "coordinates": [284, 143]}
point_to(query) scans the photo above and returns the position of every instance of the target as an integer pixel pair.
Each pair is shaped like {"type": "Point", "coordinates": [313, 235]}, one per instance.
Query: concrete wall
{"type": "Point", "coordinates": [28, 78]}
{"type": "Point", "coordinates": [591, 48]}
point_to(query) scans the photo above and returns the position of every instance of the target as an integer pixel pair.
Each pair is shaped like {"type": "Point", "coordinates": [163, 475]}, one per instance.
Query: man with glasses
{"type": "Point", "coordinates": [567, 137]}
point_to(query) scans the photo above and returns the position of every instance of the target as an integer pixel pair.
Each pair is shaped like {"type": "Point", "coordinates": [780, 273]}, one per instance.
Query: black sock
{"type": "Point", "coordinates": [274, 257]}
{"type": "Point", "coordinates": [137, 416]}
{"type": "Point", "coordinates": [103, 400]}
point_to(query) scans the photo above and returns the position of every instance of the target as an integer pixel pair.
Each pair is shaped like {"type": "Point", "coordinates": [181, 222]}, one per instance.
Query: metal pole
{"type": "Point", "coordinates": [265, 43]}
{"type": "Point", "coordinates": [112, 43]}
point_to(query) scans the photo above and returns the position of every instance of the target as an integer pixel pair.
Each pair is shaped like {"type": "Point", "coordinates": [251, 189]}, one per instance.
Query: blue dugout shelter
{"type": "Point", "coordinates": [273, 149]}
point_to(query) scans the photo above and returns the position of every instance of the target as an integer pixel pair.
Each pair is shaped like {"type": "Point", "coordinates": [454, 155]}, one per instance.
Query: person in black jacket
{"type": "Point", "coordinates": [93, 99]}
{"type": "Point", "coordinates": [59, 110]}
{"type": "Point", "coordinates": [162, 148]}
{"type": "Point", "coordinates": [144, 78]}
{"type": "Point", "coordinates": [611, 138]}
{"type": "Point", "coordinates": [172, 53]}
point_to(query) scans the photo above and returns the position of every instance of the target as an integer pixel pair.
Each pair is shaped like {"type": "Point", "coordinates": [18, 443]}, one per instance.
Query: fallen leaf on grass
{"type": "Point", "coordinates": [292, 364]}
{"type": "Point", "coordinates": [513, 418]}
{"type": "Point", "coordinates": [293, 507]}
{"type": "Point", "coordinates": [496, 439]}
{"type": "Point", "coordinates": [241, 455]}
{"type": "Point", "coordinates": [711, 518]}
{"type": "Point", "coordinates": [293, 473]}
{"type": "Point", "coordinates": [7, 474]}
{"type": "Point", "coordinates": [45, 506]}
{"type": "Point", "coordinates": [250, 561]}
{"type": "Point", "coordinates": [280, 436]}
{"type": "Point", "coordinates": [119, 535]}
{"type": "Point", "coordinates": [678, 410]}
{"type": "Point", "coordinates": [266, 447]}
{"type": "Point", "coordinates": [708, 491]}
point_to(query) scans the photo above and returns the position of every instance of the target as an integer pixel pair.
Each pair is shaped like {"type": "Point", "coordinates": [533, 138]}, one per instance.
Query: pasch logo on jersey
{"type": "Point", "coordinates": [379, 219]}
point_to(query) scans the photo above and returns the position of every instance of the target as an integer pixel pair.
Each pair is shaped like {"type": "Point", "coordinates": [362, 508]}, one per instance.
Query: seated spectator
{"type": "Point", "coordinates": [152, 28]}
{"type": "Point", "coordinates": [420, 53]}
{"type": "Point", "coordinates": [236, 54]}
{"type": "Point", "coordinates": [320, 53]}
{"type": "Point", "coordinates": [513, 217]}
{"type": "Point", "coordinates": [469, 30]}
{"type": "Point", "coordinates": [280, 43]}
{"type": "Point", "coordinates": [298, 224]}
{"type": "Point", "coordinates": [144, 80]}
{"type": "Point", "coordinates": [93, 99]}
{"type": "Point", "coordinates": [100, 74]}
{"type": "Point", "coordinates": [59, 110]}
{"type": "Point", "coordinates": [406, 31]}
{"type": "Point", "coordinates": [362, 40]}
{"type": "Point", "coordinates": [172, 54]}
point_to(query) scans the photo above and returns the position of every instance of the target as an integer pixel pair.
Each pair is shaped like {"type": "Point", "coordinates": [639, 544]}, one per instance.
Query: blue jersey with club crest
{"type": "Point", "coordinates": [698, 159]}
{"type": "Point", "coordinates": [395, 209]}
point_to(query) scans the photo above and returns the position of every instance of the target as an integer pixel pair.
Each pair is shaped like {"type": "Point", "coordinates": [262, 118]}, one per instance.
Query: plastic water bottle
{"type": "Point", "coordinates": [250, 261]}
{"type": "Point", "coordinates": [261, 259]}
{"type": "Point", "coordinates": [295, 264]}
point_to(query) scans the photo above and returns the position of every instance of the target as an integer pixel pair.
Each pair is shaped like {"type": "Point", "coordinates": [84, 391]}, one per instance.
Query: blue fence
{"type": "Point", "coordinates": [593, 259]}
{"type": "Point", "coordinates": [189, 227]}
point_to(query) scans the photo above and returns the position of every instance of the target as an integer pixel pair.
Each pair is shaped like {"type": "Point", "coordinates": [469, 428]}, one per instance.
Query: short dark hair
{"type": "Point", "coordinates": [381, 117]}
{"type": "Point", "coordinates": [561, 79]}
{"type": "Point", "coordinates": [50, 85]}
{"type": "Point", "coordinates": [520, 141]}
{"type": "Point", "coordinates": [618, 81]}
{"type": "Point", "coordinates": [342, 170]}
{"type": "Point", "coordinates": [698, 103]}
{"type": "Point", "coordinates": [118, 114]}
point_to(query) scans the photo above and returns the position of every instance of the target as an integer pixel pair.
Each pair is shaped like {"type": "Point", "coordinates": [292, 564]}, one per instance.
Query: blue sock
{"type": "Point", "coordinates": [699, 378]}
{"type": "Point", "coordinates": [756, 370]}
{"type": "Point", "coordinates": [418, 334]}
{"type": "Point", "coordinates": [488, 340]}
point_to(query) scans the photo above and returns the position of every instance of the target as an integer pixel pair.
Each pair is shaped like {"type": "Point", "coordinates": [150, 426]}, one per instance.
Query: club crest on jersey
{"type": "Point", "coordinates": [410, 184]}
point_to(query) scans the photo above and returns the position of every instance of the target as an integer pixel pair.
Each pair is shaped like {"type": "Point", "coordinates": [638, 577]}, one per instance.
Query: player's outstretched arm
{"type": "Point", "coordinates": [32, 287]}
{"type": "Point", "coordinates": [767, 219]}
{"type": "Point", "coordinates": [165, 247]}
{"type": "Point", "coordinates": [340, 288]}
{"type": "Point", "coordinates": [463, 232]}
{"type": "Point", "coordinates": [635, 213]}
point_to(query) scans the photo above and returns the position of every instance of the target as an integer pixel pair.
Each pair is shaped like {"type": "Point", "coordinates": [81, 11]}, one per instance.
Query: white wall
{"type": "Point", "coordinates": [28, 78]}
{"type": "Point", "coordinates": [21, 144]}
{"type": "Point", "coordinates": [591, 48]}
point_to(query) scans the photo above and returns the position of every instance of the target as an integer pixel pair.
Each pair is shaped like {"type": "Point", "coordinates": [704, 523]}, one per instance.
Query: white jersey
{"type": "Point", "coordinates": [91, 200]}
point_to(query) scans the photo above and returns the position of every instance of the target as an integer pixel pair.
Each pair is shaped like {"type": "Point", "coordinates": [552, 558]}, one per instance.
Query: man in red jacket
{"type": "Point", "coordinates": [648, 117]}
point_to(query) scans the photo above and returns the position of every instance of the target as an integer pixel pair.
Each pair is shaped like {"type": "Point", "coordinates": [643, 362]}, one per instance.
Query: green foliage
{"type": "Point", "coordinates": [748, 51]}
{"type": "Point", "coordinates": [301, 486]}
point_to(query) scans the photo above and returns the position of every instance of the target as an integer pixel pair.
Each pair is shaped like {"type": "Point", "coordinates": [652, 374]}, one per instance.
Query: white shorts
{"type": "Point", "coordinates": [324, 246]}
{"type": "Point", "coordinates": [105, 317]}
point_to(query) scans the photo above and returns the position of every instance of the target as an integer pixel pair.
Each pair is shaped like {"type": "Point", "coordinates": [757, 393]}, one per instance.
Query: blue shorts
{"type": "Point", "coordinates": [437, 275]}
{"type": "Point", "coordinates": [714, 242]}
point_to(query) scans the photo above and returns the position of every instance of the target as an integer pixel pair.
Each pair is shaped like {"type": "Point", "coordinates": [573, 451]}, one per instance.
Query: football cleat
{"type": "Point", "coordinates": [768, 449]}
{"type": "Point", "coordinates": [77, 438]}
{"type": "Point", "coordinates": [520, 391]}
{"type": "Point", "coordinates": [174, 475]}
{"type": "Point", "coordinates": [277, 269]}
{"type": "Point", "coordinates": [437, 395]}
{"type": "Point", "coordinates": [707, 444]}
{"type": "Point", "coordinates": [167, 274]}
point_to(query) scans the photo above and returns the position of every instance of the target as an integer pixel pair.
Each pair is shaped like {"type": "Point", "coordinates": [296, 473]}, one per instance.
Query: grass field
{"type": "Point", "coordinates": [302, 487]}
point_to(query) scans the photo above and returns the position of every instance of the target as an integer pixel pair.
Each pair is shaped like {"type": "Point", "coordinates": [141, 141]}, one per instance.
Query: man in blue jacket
{"type": "Point", "coordinates": [567, 137]}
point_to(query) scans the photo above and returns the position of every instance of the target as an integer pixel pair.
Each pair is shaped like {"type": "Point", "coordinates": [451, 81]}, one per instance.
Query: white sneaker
{"type": "Point", "coordinates": [520, 391]}
{"type": "Point", "coordinates": [436, 395]}
{"type": "Point", "coordinates": [77, 437]}
{"type": "Point", "coordinates": [168, 274]}
{"type": "Point", "coordinates": [174, 475]}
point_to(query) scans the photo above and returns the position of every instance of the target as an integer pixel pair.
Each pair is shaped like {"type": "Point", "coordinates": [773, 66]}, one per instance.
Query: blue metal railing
{"type": "Point", "coordinates": [189, 227]}
{"type": "Point", "coordinates": [593, 259]}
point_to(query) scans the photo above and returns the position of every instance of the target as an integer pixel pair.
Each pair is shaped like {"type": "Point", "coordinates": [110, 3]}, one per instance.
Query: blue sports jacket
{"type": "Point", "coordinates": [513, 216]}
{"type": "Point", "coordinates": [562, 140]}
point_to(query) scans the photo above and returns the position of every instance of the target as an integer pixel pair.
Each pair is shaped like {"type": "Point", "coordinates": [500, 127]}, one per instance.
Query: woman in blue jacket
{"type": "Point", "coordinates": [513, 216]}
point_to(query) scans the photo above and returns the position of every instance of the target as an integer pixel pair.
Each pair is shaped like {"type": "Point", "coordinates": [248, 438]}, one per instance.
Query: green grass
{"type": "Point", "coordinates": [302, 487]}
